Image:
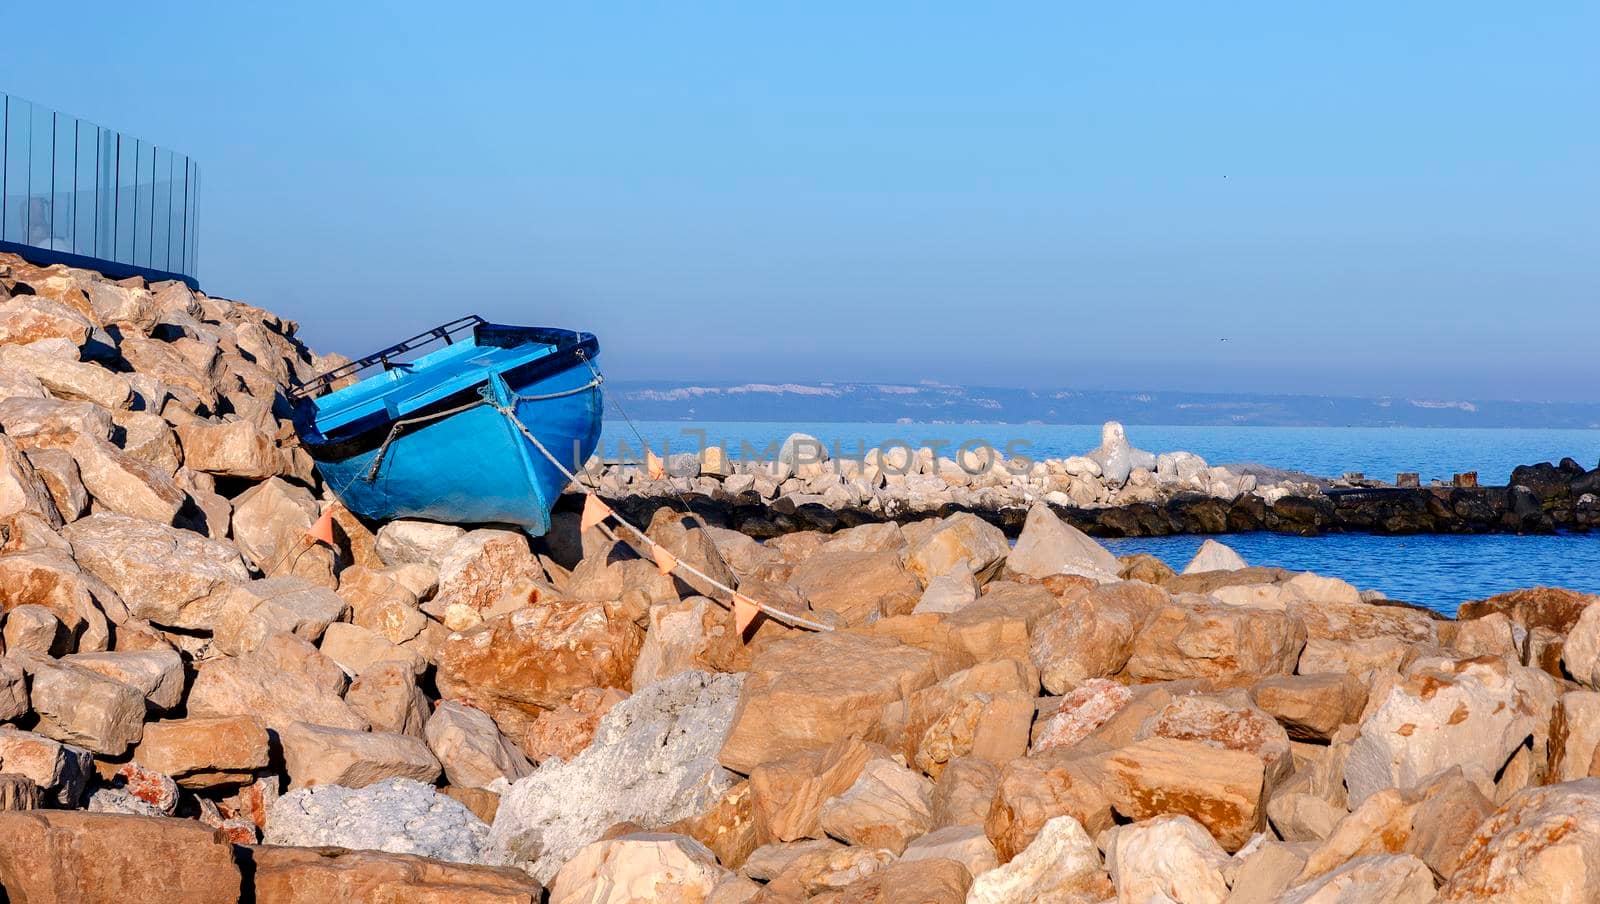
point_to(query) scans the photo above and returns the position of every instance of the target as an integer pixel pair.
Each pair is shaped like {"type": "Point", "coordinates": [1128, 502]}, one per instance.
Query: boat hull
{"type": "Point", "coordinates": [472, 465]}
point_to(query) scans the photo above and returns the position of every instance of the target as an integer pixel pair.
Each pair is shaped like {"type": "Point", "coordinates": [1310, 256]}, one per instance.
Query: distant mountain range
{"type": "Point", "coordinates": [942, 403]}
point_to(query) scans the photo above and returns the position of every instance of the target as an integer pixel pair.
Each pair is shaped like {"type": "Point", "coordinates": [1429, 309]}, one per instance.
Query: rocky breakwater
{"type": "Point", "coordinates": [1115, 490]}
{"type": "Point", "coordinates": [199, 705]}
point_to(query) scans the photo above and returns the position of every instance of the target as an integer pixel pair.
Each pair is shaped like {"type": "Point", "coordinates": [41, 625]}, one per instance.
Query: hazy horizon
{"type": "Point", "coordinates": [1364, 200]}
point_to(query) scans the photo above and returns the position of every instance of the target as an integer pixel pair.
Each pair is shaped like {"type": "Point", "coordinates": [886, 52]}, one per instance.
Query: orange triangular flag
{"type": "Point", "coordinates": [745, 611]}
{"type": "Point", "coordinates": [654, 465]}
{"type": "Point", "coordinates": [322, 531]}
{"type": "Point", "coordinates": [665, 561]}
{"type": "Point", "coordinates": [594, 512]}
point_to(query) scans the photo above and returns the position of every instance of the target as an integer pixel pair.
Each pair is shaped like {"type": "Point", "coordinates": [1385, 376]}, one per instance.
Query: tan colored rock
{"type": "Point", "coordinates": [165, 574]}
{"type": "Point", "coordinates": [965, 844]}
{"type": "Point", "coordinates": [1449, 811]}
{"type": "Point", "coordinates": [33, 421]}
{"type": "Point", "coordinates": [34, 629]}
{"type": "Point", "coordinates": [50, 579]}
{"type": "Point", "coordinates": [1225, 723]}
{"type": "Point", "coordinates": [82, 707]}
{"type": "Point", "coordinates": [886, 807]}
{"type": "Point", "coordinates": [13, 690]}
{"type": "Point", "coordinates": [1091, 635]}
{"type": "Point", "coordinates": [1326, 608]}
{"type": "Point", "coordinates": [356, 649]}
{"type": "Point", "coordinates": [60, 770]}
{"type": "Point", "coordinates": [320, 755]}
{"type": "Point", "coordinates": [1036, 789]}
{"type": "Point", "coordinates": [999, 624]}
{"type": "Point", "coordinates": [483, 565]}
{"type": "Point", "coordinates": [961, 538]}
{"type": "Point", "coordinates": [148, 437]}
{"type": "Point", "coordinates": [58, 471]}
{"type": "Point", "coordinates": [566, 730]}
{"type": "Point", "coordinates": [1490, 635]}
{"type": "Point", "coordinates": [125, 484]}
{"type": "Point", "coordinates": [68, 857]}
{"type": "Point", "coordinates": [21, 489]}
{"type": "Point", "coordinates": [643, 866]}
{"type": "Point", "coordinates": [693, 633]}
{"type": "Point", "coordinates": [727, 827]}
{"type": "Point", "coordinates": [1263, 870]}
{"type": "Point", "coordinates": [293, 875]}
{"type": "Point", "coordinates": [67, 379]}
{"type": "Point", "coordinates": [1472, 713]}
{"type": "Point", "coordinates": [270, 521]}
{"type": "Point", "coordinates": [1171, 858]}
{"type": "Point", "coordinates": [470, 747]}
{"type": "Point", "coordinates": [205, 752]}
{"type": "Point", "coordinates": [1079, 713]}
{"type": "Point", "coordinates": [236, 448]}
{"type": "Point", "coordinates": [1220, 789]}
{"type": "Point", "coordinates": [787, 794]}
{"type": "Point", "coordinates": [247, 614]}
{"type": "Point", "coordinates": [381, 602]}
{"type": "Point", "coordinates": [684, 536]}
{"type": "Point", "coordinates": [1535, 607]}
{"type": "Point", "coordinates": [18, 792]}
{"type": "Point", "coordinates": [1401, 879]}
{"type": "Point", "coordinates": [1225, 644]}
{"type": "Point", "coordinates": [934, 881]}
{"type": "Point", "coordinates": [816, 689]}
{"type": "Point", "coordinates": [1311, 707]}
{"type": "Point", "coordinates": [1048, 545]}
{"type": "Point", "coordinates": [1356, 657]}
{"type": "Point", "coordinates": [285, 680]}
{"type": "Point", "coordinates": [157, 674]}
{"type": "Point", "coordinates": [31, 318]}
{"type": "Point", "coordinates": [386, 695]}
{"type": "Point", "coordinates": [1061, 864]}
{"type": "Point", "coordinates": [963, 792]}
{"type": "Point", "coordinates": [1581, 654]}
{"type": "Point", "coordinates": [856, 584]}
{"type": "Point", "coordinates": [407, 541]}
{"type": "Point", "coordinates": [1536, 847]}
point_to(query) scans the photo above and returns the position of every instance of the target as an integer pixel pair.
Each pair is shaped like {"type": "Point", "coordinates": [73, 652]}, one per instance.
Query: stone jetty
{"type": "Point", "coordinates": [199, 705]}
{"type": "Point", "coordinates": [1115, 490]}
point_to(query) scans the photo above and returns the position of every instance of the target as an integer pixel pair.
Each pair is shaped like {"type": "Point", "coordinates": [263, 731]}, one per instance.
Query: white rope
{"type": "Point", "coordinates": [772, 612]}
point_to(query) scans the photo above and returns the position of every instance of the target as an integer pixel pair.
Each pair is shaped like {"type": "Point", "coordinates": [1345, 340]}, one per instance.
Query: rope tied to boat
{"type": "Point", "coordinates": [664, 558]}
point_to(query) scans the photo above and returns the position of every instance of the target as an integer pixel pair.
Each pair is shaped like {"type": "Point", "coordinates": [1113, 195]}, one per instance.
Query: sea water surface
{"type": "Point", "coordinates": [1438, 571]}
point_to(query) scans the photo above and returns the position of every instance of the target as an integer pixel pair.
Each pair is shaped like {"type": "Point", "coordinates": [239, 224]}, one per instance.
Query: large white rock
{"type": "Point", "coordinates": [406, 541]}
{"type": "Point", "coordinates": [162, 573]}
{"type": "Point", "coordinates": [1117, 457]}
{"type": "Point", "coordinates": [1169, 859]}
{"type": "Point", "coordinates": [1060, 864]}
{"type": "Point", "coordinates": [1048, 545]}
{"type": "Point", "coordinates": [470, 747]}
{"type": "Point", "coordinates": [400, 816]}
{"type": "Point", "coordinates": [1468, 713]}
{"type": "Point", "coordinates": [1214, 556]}
{"type": "Point", "coordinates": [653, 761]}
{"type": "Point", "coordinates": [1543, 845]}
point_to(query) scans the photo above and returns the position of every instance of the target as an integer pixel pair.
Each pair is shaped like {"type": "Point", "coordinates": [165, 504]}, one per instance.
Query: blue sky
{"type": "Point", "coordinates": [1361, 198]}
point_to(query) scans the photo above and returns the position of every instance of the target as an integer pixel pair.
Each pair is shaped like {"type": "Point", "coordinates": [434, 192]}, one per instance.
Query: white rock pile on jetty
{"type": "Point", "coordinates": [200, 706]}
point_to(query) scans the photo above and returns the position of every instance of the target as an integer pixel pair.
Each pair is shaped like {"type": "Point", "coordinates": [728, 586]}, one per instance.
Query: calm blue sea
{"type": "Point", "coordinates": [1435, 571]}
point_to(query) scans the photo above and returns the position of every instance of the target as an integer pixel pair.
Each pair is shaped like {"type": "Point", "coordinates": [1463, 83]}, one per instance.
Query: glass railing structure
{"type": "Point", "coordinates": [87, 196]}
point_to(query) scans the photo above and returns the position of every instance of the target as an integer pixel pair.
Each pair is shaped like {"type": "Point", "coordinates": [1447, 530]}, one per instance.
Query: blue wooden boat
{"type": "Point", "coordinates": [426, 436]}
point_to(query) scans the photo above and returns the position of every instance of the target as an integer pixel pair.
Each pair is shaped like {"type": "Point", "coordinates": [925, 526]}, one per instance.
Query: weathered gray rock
{"type": "Point", "coordinates": [270, 521]}
{"type": "Point", "coordinates": [157, 674]}
{"type": "Point", "coordinates": [319, 755]}
{"type": "Point", "coordinates": [406, 541]}
{"type": "Point", "coordinates": [82, 707]}
{"type": "Point", "coordinates": [247, 614]}
{"type": "Point", "coordinates": [1117, 457]}
{"type": "Point", "coordinates": [1048, 545]}
{"type": "Point", "coordinates": [285, 680]}
{"type": "Point", "coordinates": [653, 761]}
{"type": "Point", "coordinates": [69, 379]}
{"type": "Point", "coordinates": [399, 816]}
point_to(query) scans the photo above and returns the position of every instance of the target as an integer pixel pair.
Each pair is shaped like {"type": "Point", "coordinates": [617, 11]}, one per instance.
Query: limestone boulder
{"type": "Point", "coordinates": [1033, 790]}
{"type": "Point", "coordinates": [58, 471]}
{"type": "Point", "coordinates": [357, 649]}
{"type": "Point", "coordinates": [50, 579]}
{"type": "Point", "coordinates": [470, 747]}
{"type": "Point", "coordinates": [1311, 707]}
{"type": "Point", "coordinates": [395, 815]}
{"type": "Point", "coordinates": [406, 541]}
{"type": "Point", "coordinates": [516, 665]}
{"type": "Point", "coordinates": [380, 600]}
{"type": "Point", "coordinates": [1224, 722]}
{"type": "Point", "coordinates": [1224, 644]}
{"type": "Point", "coordinates": [123, 483]}
{"type": "Point", "coordinates": [1472, 713]}
{"type": "Point", "coordinates": [1079, 713]}
{"type": "Point", "coordinates": [1091, 635]}
{"type": "Point", "coordinates": [483, 565]}
{"type": "Point", "coordinates": [1215, 556]}
{"type": "Point", "coordinates": [1402, 879]}
{"type": "Point", "coordinates": [72, 856]}
{"type": "Point", "coordinates": [247, 614]}
{"type": "Point", "coordinates": [157, 674]}
{"type": "Point", "coordinates": [284, 681]}
{"type": "Point", "coordinates": [202, 752]}
{"type": "Point", "coordinates": [1539, 846]}
{"type": "Point", "coordinates": [69, 379]}
{"type": "Point", "coordinates": [886, 807]}
{"type": "Point", "coordinates": [21, 488]}
{"type": "Point", "coordinates": [1223, 790]}
{"type": "Point", "coordinates": [236, 448]}
{"type": "Point", "coordinates": [78, 706]}
{"type": "Point", "coordinates": [1171, 858]}
{"type": "Point", "coordinates": [690, 634]}
{"type": "Point", "coordinates": [652, 762]}
{"type": "Point", "coordinates": [32, 318]}
{"type": "Point", "coordinates": [685, 537]}
{"type": "Point", "coordinates": [320, 755]}
{"type": "Point", "coordinates": [270, 521]}
{"type": "Point", "coordinates": [961, 540]}
{"type": "Point", "coordinates": [1060, 864]}
{"type": "Point", "coordinates": [814, 689]}
{"type": "Point", "coordinates": [34, 421]}
{"type": "Point", "coordinates": [1116, 457]}
{"type": "Point", "coordinates": [857, 584]}
{"type": "Point", "coordinates": [386, 695]}
{"type": "Point", "coordinates": [1554, 608]}
{"type": "Point", "coordinates": [787, 794]}
{"type": "Point", "coordinates": [642, 866]}
{"type": "Point", "coordinates": [1048, 545]}
{"type": "Point", "coordinates": [13, 690]}
{"type": "Point", "coordinates": [59, 770]}
{"type": "Point", "coordinates": [294, 875]}
{"type": "Point", "coordinates": [166, 575]}
{"type": "Point", "coordinates": [565, 731]}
